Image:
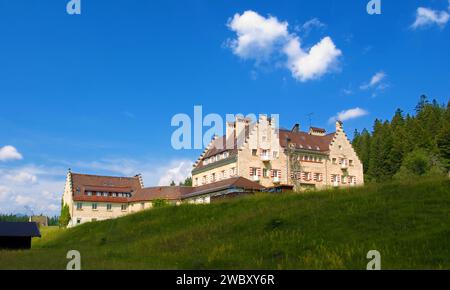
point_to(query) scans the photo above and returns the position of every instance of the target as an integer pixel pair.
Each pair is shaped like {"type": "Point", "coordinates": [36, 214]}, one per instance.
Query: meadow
{"type": "Point", "coordinates": [408, 222]}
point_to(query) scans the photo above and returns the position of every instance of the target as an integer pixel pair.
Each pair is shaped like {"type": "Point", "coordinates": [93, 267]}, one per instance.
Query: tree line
{"type": "Point", "coordinates": [407, 146]}
{"type": "Point", "coordinates": [52, 221]}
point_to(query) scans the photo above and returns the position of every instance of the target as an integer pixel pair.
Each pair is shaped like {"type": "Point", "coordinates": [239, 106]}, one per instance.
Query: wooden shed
{"type": "Point", "coordinates": [17, 235]}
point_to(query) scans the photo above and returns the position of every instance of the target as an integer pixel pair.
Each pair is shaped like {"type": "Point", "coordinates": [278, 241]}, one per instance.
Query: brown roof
{"type": "Point", "coordinates": [181, 192]}
{"type": "Point", "coordinates": [162, 192]}
{"type": "Point", "coordinates": [84, 182]}
{"type": "Point", "coordinates": [305, 141]}
{"type": "Point", "coordinates": [235, 182]}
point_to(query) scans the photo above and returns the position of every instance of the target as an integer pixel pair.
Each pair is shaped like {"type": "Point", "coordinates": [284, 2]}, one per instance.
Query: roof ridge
{"type": "Point", "coordinates": [107, 176]}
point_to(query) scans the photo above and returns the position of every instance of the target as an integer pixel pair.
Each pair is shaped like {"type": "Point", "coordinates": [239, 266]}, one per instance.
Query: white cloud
{"type": "Point", "coordinates": [259, 38]}
{"type": "Point", "coordinates": [3, 192]}
{"type": "Point", "coordinates": [31, 189]}
{"type": "Point", "coordinates": [177, 172]}
{"type": "Point", "coordinates": [426, 17]}
{"type": "Point", "coordinates": [349, 114]}
{"type": "Point", "coordinates": [9, 153]}
{"type": "Point", "coordinates": [22, 177]}
{"type": "Point", "coordinates": [375, 81]}
{"type": "Point", "coordinates": [309, 25]}
{"type": "Point", "coordinates": [311, 65]}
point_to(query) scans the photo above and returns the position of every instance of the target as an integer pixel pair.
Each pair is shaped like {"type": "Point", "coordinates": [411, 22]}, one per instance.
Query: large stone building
{"type": "Point", "coordinates": [251, 157]}
{"type": "Point", "coordinates": [273, 158]}
{"type": "Point", "coordinates": [96, 198]}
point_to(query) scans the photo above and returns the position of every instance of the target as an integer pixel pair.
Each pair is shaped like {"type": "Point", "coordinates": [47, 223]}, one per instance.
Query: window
{"type": "Point", "coordinates": [350, 162]}
{"type": "Point", "coordinates": [334, 160]}
{"type": "Point", "coordinates": [254, 152]}
{"type": "Point", "coordinates": [99, 194]}
{"type": "Point", "coordinates": [204, 180]}
{"type": "Point", "coordinates": [225, 155]}
{"type": "Point", "coordinates": [78, 221]}
{"type": "Point", "coordinates": [275, 173]}
{"type": "Point", "coordinates": [223, 174]}
{"type": "Point", "coordinates": [94, 206]}
{"type": "Point", "coordinates": [340, 147]}
{"type": "Point", "coordinates": [89, 193]}
{"type": "Point", "coordinates": [123, 207]}
{"type": "Point", "coordinates": [105, 194]}
{"type": "Point", "coordinates": [196, 181]}
{"type": "Point", "coordinates": [275, 154]}
{"type": "Point", "coordinates": [79, 206]}
{"type": "Point", "coordinates": [108, 207]}
{"type": "Point", "coordinates": [142, 205]}
{"type": "Point", "coordinates": [233, 171]}
{"type": "Point", "coordinates": [213, 177]}
{"type": "Point", "coordinates": [265, 172]}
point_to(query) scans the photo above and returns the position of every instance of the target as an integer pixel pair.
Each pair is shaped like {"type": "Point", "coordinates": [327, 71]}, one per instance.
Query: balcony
{"type": "Point", "coordinates": [344, 165]}
{"type": "Point", "coordinates": [265, 157]}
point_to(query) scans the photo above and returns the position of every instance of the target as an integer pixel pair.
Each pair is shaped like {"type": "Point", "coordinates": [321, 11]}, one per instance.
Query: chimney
{"type": "Point", "coordinates": [230, 131]}
{"type": "Point", "coordinates": [296, 128]}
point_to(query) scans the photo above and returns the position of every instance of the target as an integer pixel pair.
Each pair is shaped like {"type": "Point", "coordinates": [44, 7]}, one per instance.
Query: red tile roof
{"type": "Point", "coordinates": [305, 141]}
{"type": "Point", "coordinates": [161, 192]}
{"type": "Point", "coordinates": [82, 183]}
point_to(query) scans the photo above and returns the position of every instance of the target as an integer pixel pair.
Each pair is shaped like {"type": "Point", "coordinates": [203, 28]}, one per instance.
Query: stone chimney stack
{"type": "Point", "coordinates": [230, 134]}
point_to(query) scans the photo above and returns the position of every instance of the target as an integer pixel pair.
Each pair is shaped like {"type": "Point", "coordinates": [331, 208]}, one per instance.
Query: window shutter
{"type": "Point", "coordinates": [251, 171]}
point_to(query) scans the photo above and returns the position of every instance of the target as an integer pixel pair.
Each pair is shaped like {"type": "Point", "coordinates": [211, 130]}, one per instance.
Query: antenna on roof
{"type": "Point", "coordinates": [310, 119]}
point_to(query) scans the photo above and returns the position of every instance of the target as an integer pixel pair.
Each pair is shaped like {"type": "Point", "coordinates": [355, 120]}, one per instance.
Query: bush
{"type": "Point", "coordinates": [420, 163]}
{"type": "Point", "coordinates": [160, 203]}
{"type": "Point", "coordinates": [64, 219]}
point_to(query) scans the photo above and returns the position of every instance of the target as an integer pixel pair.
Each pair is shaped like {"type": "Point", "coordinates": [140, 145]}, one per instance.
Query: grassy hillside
{"type": "Point", "coordinates": [408, 223]}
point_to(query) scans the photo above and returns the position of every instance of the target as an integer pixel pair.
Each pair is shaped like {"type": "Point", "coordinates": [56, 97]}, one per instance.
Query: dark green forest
{"type": "Point", "coordinates": [407, 146]}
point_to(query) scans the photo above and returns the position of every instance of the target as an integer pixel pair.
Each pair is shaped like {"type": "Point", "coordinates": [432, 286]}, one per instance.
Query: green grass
{"type": "Point", "coordinates": [409, 223]}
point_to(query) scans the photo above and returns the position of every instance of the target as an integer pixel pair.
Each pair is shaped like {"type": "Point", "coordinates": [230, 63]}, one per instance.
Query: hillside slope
{"type": "Point", "coordinates": [408, 223]}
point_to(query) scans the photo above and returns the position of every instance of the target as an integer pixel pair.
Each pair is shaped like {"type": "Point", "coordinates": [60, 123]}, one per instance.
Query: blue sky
{"type": "Point", "coordinates": [96, 92]}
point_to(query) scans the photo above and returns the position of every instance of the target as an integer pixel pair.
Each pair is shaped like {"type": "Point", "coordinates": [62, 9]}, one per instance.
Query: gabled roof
{"type": "Point", "coordinates": [85, 182]}
{"type": "Point", "coordinates": [217, 146]}
{"type": "Point", "coordinates": [305, 141]}
{"type": "Point", "coordinates": [19, 229]}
